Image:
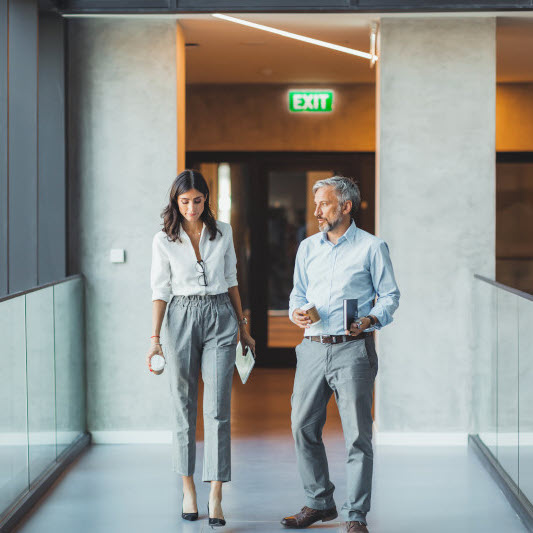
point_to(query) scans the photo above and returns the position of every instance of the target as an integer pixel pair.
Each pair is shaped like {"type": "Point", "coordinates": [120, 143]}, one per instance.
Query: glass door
{"type": "Point", "coordinates": [290, 220]}
{"type": "Point", "coordinates": [267, 198]}
{"type": "Point", "coordinates": [229, 188]}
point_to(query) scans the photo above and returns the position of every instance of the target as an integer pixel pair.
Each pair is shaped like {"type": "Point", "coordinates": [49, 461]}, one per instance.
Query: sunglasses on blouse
{"type": "Point", "coordinates": [202, 278]}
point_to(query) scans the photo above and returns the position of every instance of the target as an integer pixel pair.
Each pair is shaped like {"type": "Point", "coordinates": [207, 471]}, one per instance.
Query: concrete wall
{"type": "Point", "coordinates": [122, 129]}
{"type": "Point", "coordinates": [256, 117]}
{"type": "Point", "coordinates": [436, 194]}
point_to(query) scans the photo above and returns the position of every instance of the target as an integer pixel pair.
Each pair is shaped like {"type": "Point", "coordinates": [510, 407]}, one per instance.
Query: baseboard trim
{"type": "Point", "coordinates": [131, 437]}
{"type": "Point", "coordinates": [516, 498]}
{"type": "Point", "coordinates": [39, 438]}
{"type": "Point", "coordinates": [21, 507]}
{"type": "Point", "coordinates": [386, 438]}
{"type": "Point", "coordinates": [381, 438]}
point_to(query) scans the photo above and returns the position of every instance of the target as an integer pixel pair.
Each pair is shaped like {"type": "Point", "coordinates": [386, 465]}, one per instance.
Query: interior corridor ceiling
{"type": "Point", "coordinates": [224, 52]}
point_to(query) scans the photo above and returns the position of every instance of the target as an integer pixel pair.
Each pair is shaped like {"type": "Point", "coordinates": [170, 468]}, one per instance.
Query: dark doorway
{"type": "Point", "coordinates": [514, 220]}
{"type": "Point", "coordinates": [267, 198]}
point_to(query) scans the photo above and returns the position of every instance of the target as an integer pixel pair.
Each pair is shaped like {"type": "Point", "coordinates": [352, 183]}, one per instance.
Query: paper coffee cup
{"type": "Point", "coordinates": [312, 313]}
{"type": "Point", "coordinates": [157, 362]}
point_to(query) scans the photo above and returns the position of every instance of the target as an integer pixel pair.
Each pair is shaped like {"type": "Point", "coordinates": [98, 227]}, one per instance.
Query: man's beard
{"type": "Point", "coordinates": [330, 226]}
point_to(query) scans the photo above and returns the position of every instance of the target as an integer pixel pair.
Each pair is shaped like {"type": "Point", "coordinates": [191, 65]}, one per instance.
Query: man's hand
{"type": "Point", "coordinates": [301, 318]}
{"type": "Point", "coordinates": [354, 330]}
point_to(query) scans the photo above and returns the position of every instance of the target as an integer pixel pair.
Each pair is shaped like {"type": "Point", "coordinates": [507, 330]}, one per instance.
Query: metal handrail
{"type": "Point", "coordinates": [39, 287]}
{"type": "Point", "coordinates": [512, 290]}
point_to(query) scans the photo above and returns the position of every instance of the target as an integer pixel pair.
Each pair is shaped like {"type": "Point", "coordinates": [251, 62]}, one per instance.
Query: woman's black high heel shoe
{"type": "Point", "coordinates": [188, 516]}
{"type": "Point", "coordinates": [215, 522]}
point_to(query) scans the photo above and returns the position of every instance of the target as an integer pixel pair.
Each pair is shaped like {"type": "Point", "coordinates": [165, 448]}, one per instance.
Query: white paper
{"type": "Point", "coordinates": [244, 363]}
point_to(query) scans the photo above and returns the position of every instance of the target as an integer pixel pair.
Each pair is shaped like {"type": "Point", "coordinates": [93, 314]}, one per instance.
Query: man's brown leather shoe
{"type": "Point", "coordinates": [356, 527]}
{"type": "Point", "coordinates": [308, 516]}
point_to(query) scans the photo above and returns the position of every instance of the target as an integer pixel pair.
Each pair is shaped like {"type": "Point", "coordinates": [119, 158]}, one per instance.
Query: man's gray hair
{"type": "Point", "coordinates": [345, 188]}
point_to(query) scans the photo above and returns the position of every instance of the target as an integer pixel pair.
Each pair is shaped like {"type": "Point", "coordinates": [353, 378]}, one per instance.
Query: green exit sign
{"type": "Point", "coordinates": [314, 101]}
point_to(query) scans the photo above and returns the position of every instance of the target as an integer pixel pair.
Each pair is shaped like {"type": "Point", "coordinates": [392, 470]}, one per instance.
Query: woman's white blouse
{"type": "Point", "coordinates": [174, 269]}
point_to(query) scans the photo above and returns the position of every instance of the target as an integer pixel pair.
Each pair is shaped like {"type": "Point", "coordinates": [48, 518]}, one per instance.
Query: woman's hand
{"type": "Point", "coordinates": [246, 340]}
{"type": "Point", "coordinates": [154, 349]}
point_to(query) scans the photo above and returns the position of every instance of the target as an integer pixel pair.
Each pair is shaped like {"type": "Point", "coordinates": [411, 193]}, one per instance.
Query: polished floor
{"type": "Point", "coordinates": [130, 488]}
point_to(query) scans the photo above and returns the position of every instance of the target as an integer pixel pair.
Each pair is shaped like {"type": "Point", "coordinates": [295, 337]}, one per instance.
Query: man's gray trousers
{"type": "Point", "coordinates": [347, 370]}
{"type": "Point", "coordinates": [201, 334]}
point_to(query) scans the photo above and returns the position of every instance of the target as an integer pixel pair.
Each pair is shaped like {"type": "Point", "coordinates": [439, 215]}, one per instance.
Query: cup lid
{"type": "Point", "coordinates": [307, 306]}
{"type": "Point", "coordinates": [157, 362]}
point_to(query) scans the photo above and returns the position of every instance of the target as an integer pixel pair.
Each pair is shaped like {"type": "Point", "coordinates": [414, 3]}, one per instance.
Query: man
{"type": "Point", "coordinates": [341, 262]}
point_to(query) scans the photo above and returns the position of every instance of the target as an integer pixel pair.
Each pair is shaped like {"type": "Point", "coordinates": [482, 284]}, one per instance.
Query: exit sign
{"type": "Point", "coordinates": [314, 101]}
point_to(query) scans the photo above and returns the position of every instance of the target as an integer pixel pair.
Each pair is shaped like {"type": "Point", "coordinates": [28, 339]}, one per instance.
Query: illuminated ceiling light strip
{"type": "Point", "coordinates": [373, 39]}
{"type": "Point", "coordinates": [290, 35]}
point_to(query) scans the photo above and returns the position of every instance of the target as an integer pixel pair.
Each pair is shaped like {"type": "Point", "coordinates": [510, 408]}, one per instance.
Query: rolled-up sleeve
{"type": "Point", "coordinates": [299, 290]}
{"type": "Point", "coordinates": [388, 294]}
{"type": "Point", "coordinates": [160, 272]}
{"type": "Point", "coordinates": [230, 261]}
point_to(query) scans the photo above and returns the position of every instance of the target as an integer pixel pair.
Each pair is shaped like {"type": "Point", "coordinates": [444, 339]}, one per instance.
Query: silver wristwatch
{"type": "Point", "coordinates": [359, 321]}
{"type": "Point", "coordinates": [372, 320]}
{"type": "Point", "coordinates": [243, 320]}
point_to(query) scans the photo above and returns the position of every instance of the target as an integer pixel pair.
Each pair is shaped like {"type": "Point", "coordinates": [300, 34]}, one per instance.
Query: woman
{"type": "Point", "coordinates": [194, 267]}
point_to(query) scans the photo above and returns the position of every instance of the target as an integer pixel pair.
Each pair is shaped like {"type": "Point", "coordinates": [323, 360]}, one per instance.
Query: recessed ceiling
{"type": "Point", "coordinates": [231, 53]}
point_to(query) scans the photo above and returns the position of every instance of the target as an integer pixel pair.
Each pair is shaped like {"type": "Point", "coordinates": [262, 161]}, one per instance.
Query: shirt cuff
{"type": "Point", "coordinates": [232, 282]}
{"type": "Point", "coordinates": [382, 317]}
{"type": "Point", "coordinates": [160, 296]}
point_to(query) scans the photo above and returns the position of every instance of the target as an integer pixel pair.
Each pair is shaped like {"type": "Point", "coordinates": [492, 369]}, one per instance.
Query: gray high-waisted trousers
{"type": "Point", "coordinates": [201, 334]}
{"type": "Point", "coordinates": [347, 370]}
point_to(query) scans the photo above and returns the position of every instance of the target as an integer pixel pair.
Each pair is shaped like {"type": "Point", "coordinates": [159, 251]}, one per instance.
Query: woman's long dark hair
{"type": "Point", "coordinates": [173, 219]}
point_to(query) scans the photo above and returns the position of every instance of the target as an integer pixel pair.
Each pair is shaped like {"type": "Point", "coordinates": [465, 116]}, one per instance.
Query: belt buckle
{"type": "Point", "coordinates": [323, 339]}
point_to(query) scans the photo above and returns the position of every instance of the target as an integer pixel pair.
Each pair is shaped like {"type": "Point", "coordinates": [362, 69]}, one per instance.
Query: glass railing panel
{"type": "Point", "coordinates": [507, 325]}
{"type": "Point", "coordinates": [13, 414]}
{"type": "Point", "coordinates": [485, 383]}
{"type": "Point", "coordinates": [69, 362]}
{"type": "Point", "coordinates": [525, 387]}
{"type": "Point", "coordinates": [41, 380]}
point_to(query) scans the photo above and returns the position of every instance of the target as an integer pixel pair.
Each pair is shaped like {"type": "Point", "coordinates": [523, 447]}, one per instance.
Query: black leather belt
{"type": "Point", "coordinates": [336, 339]}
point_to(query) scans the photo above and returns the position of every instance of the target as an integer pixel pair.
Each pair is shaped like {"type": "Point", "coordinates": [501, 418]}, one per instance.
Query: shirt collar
{"type": "Point", "coordinates": [351, 231]}
{"type": "Point", "coordinates": [349, 234]}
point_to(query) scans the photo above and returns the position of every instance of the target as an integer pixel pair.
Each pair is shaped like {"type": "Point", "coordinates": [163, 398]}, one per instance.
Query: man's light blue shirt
{"type": "Point", "coordinates": [358, 266]}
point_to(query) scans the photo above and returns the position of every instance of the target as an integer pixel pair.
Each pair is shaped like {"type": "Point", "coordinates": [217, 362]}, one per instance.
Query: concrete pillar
{"type": "Point", "coordinates": [123, 125]}
{"type": "Point", "coordinates": [436, 209]}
